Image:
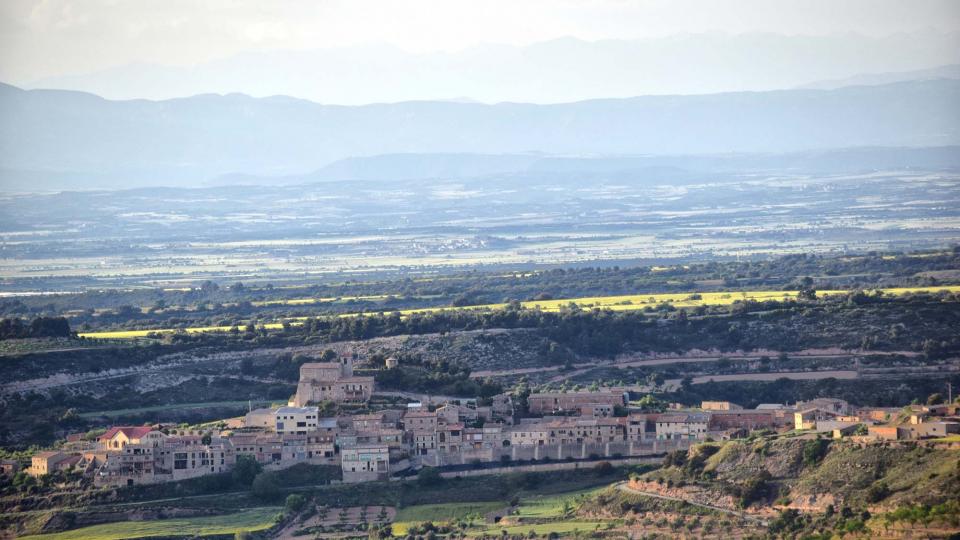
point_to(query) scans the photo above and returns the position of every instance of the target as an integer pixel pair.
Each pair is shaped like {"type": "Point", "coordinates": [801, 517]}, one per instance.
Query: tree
{"type": "Point", "coordinates": [265, 486]}
{"type": "Point", "coordinates": [649, 403]}
{"type": "Point", "coordinates": [294, 503]}
{"type": "Point", "coordinates": [814, 450]}
{"type": "Point", "coordinates": [521, 392]}
{"type": "Point", "coordinates": [245, 471]}
{"type": "Point", "coordinates": [935, 399]}
{"type": "Point", "coordinates": [878, 492]}
{"type": "Point", "coordinates": [429, 476]}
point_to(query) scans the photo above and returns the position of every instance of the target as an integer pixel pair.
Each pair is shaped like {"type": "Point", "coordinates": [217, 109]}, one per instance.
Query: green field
{"type": "Point", "coordinates": [615, 303]}
{"type": "Point", "coordinates": [551, 506]}
{"type": "Point", "coordinates": [439, 513]}
{"type": "Point", "coordinates": [249, 520]}
{"type": "Point", "coordinates": [560, 527]}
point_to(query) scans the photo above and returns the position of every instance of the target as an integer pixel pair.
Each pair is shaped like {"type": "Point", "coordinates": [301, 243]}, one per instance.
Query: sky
{"type": "Point", "coordinates": [43, 40]}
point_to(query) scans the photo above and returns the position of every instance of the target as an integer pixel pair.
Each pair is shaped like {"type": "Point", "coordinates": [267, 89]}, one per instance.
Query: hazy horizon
{"type": "Point", "coordinates": [353, 53]}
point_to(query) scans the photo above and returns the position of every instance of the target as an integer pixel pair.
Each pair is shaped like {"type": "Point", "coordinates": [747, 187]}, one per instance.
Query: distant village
{"type": "Point", "coordinates": [561, 427]}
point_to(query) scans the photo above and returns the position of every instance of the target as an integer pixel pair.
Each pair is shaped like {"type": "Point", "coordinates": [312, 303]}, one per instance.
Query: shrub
{"type": "Point", "coordinates": [814, 450]}
{"type": "Point", "coordinates": [878, 492]}
{"type": "Point", "coordinates": [265, 486]}
{"type": "Point", "coordinates": [245, 470]}
{"type": "Point", "coordinates": [294, 503]}
{"type": "Point", "coordinates": [429, 476]}
{"type": "Point", "coordinates": [603, 468]}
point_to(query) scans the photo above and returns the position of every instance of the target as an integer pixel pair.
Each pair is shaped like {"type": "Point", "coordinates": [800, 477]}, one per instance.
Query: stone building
{"type": "Point", "coordinates": [364, 463]}
{"type": "Point", "coordinates": [331, 381]}
{"type": "Point", "coordinates": [566, 402]}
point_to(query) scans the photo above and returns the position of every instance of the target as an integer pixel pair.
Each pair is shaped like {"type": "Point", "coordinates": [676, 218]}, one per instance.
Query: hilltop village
{"type": "Point", "coordinates": [459, 435]}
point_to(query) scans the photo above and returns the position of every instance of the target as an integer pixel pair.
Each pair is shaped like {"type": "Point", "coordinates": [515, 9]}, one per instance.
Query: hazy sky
{"type": "Point", "coordinates": [49, 38]}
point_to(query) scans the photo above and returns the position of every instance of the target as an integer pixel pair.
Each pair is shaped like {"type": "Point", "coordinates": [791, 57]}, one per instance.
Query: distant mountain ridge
{"type": "Point", "coordinates": [642, 169]}
{"type": "Point", "coordinates": [943, 72]}
{"type": "Point", "coordinates": [83, 140]}
{"type": "Point", "coordinates": [564, 69]}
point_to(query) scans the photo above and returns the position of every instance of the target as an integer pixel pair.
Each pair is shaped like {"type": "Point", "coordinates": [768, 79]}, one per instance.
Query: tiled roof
{"type": "Point", "coordinates": [132, 432]}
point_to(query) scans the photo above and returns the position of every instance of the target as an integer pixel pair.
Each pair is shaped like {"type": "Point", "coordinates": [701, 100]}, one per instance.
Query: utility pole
{"type": "Point", "coordinates": [949, 392]}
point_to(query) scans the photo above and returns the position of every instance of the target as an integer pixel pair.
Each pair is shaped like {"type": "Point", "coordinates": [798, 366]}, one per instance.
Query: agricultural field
{"type": "Point", "coordinates": [285, 235]}
{"type": "Point", "coordinates": [249, 520]}
{"type": "Point", "coordinates": [614, 303]}
{"type": "Point", "coordinates": [542, 514]}
{"type": "Point", "coordinates": [552, 506]}
{"type": "Point", "coordinates": [443, 513]}
{"type": "Point", "coordinates": [570, 526]}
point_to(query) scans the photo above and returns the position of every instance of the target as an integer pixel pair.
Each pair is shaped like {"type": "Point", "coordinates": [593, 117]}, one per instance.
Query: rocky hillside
{"type": "Point", "coordinates": [807, 485]}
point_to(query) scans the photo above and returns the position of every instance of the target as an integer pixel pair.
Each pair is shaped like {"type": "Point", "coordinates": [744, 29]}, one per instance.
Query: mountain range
{"type": "Point", "coordinates": [555, 71]}
{"type": "Point", "coordinates": [54, 138]}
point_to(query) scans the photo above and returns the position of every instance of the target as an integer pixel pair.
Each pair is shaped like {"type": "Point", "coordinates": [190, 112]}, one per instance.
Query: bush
{"type": "Point", "coordinates": [245, 470]}
{"type": "Point", "coordinates": [814, 450]}
{"type": "Point", "coordinates": [603, 468]}
{"type": "Point", "coordinates": [294, 503]}
{"type": "Point", "coordinates": [265, 486]}
{"type": "Point", "coordinates": [878, 492]}
{"type": "Point", "coordinates": [429, 476]}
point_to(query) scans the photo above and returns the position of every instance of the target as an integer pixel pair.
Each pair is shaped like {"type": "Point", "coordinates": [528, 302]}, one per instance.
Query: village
{"type": "Point", "coordinates": [459, 435]}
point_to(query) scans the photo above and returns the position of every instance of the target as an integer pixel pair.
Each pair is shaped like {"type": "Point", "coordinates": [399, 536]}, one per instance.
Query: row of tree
{"type": "Point", "coordinates": [41, 327]}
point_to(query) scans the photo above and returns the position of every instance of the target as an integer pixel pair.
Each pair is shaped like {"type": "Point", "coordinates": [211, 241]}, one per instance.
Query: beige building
{"type": "Point", "coordinates": [47, 462]}
{"type": "Point", "coordinates": [720, 406]}
{"type": "Point", "coordinates": [640, 427]}
{"type": "Point", "coordinates": [929, 430]}
{"type": "Point", "coordinates": [9, 467]}
{"type": "Point", "coordinates": [556, 402]}
{"type": "Point", "coordinates": [834, 405]}
{"type": "Point", "coordinates": [808, 418]}
{"type": "Point", "coordinates": [299, 420]}
{"type": "Point", "coordinates": [420, 421]}
{"type": "Point", "coordinates": [365, 463]}
{"type": "Point", "coordinates": [117, 437]}
{"type": "Point", "coordinates": [166, 459]}
{"type": "Point", "coordinates": [331, 381]}
{"type": "Point", "coordinates": [261, 418]}
{"type": "Point", "coordinates": [681, 426]}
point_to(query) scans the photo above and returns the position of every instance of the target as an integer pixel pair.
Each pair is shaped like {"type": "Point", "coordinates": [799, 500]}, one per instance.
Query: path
{"type": "Point", "coordinates": [623, 486]}
{"type": "Point", "coordinates": [693, 356]}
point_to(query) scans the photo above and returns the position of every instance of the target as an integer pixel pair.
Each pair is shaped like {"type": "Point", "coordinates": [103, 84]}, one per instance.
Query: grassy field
{"type": "Point", "coordinates": [439, 513]}
{"type": "Point", "coordinates": [560, 527]}
{"type": "Point", "coordinates": [173, 407]}
{"type": "Point", "coordinates": [615, 303]}
{"type": "Point", "coordinates": [249, 520]}
{"type": "Point", "coordinates": [551, 506]}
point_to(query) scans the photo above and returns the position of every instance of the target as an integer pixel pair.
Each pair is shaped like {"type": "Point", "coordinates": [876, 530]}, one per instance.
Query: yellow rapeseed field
{"type": "Point", "coordinates": [614, 303]}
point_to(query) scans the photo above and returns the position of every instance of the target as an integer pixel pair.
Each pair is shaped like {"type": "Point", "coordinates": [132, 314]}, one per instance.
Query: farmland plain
{"type": "Point", "coordinates": [362, 230]}
{"type": "Point", "coordinates": [614, 303]}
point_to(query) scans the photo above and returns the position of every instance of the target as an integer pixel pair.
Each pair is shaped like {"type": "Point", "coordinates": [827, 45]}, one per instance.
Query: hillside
{"type": "Point", "coordinates": [802, 485]}
{"type": "Point", "coordinates": [62, 136]}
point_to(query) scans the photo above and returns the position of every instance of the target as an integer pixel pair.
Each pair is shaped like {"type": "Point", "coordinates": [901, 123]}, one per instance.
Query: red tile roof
{"type": "Point", "coordinates": [132, 432]}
